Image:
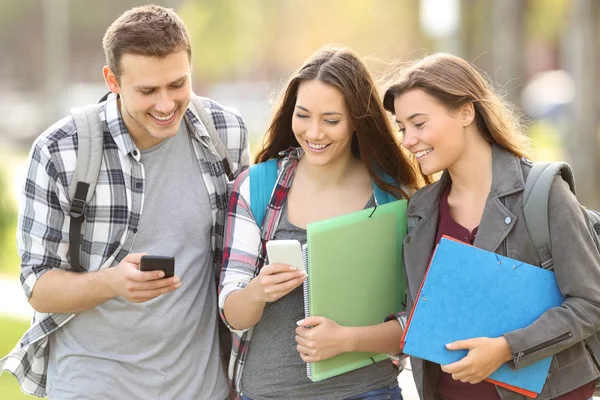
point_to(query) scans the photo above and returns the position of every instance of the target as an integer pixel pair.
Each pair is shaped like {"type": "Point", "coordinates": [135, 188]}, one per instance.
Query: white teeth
{"type": "Point", "coordinates": [317, 146]}
{"type": "Point", "coordinates": [168, 117]}
{"type": "Point", "coordinates": [421, 153]}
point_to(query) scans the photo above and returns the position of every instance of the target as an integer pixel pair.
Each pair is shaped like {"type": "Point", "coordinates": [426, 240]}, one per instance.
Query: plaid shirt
{"type": "Point", "coordinates": [111, 217]}
{"type": "Point", "coordinates": [244, 252]}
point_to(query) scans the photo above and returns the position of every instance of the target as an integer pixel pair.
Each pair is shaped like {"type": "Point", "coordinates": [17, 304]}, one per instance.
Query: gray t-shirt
{"type": "Point", "coordinates": [166, 348]}
{"type": "Point", "coordinates": [274, 369]}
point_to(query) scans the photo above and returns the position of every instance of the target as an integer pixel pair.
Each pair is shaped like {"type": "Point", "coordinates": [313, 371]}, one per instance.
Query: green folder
{"type": "Point", "coordinates": [356, 276]}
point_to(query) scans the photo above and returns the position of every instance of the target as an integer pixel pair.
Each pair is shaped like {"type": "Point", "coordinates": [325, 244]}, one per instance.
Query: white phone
{"type": "Point", "coordinates": [285, 252]}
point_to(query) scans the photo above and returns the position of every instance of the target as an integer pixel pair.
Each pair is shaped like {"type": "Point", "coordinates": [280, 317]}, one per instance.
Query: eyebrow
{"type": "Point", "coordinates": [325, 113]}
{"type": "Point", "coordinates": [411, 117]}
{"type": "Point", "coordinates": [146, 87]}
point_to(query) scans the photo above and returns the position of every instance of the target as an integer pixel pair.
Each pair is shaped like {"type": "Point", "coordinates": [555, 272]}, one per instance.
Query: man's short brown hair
{"type": "Point", "coordinates": [149, 30]}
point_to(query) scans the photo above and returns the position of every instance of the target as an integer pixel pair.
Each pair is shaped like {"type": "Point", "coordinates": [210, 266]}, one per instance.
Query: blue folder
{"type": "Point", "coordinates": [469, 292]}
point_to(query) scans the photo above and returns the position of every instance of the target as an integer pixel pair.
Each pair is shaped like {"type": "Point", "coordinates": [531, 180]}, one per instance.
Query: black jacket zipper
{"type": "Point", "coordinates": [541, 346]}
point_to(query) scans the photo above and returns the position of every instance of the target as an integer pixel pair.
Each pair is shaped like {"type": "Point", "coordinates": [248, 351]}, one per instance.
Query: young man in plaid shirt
{"type": "Point", "coordinates": [113, 331]}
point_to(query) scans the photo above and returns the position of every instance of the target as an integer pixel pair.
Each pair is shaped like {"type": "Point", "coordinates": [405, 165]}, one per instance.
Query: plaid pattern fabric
{"type": "Point", "coordinates": [111, 217]}
{"type": "Point", "coordinates": [244, 251]}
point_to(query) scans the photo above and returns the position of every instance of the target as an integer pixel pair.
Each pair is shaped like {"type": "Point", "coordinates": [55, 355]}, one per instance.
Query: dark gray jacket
{"type": "Point", "coordinates": [560, 331]}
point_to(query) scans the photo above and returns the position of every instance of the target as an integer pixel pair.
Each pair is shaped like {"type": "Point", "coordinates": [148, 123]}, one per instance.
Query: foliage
{"type": "Point", "coordinates": [262, 39]}
{"type": "Point", "coordinates": [9, 261]}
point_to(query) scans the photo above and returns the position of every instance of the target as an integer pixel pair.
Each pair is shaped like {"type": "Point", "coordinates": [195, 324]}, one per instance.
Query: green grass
{"type": "Point", "coordinates": [9, 258]}
{"type": "Point", "coordinates": [12, 162]}
{"type": "Point", "coordinates": [11, 331]}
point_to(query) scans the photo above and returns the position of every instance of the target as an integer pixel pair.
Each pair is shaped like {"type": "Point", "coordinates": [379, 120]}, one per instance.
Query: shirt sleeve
{"type": "Point", "coordinates": [577, 271]}
{"type": "Point", "coordinates": [42, 234]}
{"type": "Point", "coordinates": [401, 317]}
{"type": "Point", "coordinates": [242, 244]}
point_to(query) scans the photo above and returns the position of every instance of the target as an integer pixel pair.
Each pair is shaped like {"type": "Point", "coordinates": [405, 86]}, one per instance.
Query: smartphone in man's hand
{"type": "Point", "coordinates": [163, 263]}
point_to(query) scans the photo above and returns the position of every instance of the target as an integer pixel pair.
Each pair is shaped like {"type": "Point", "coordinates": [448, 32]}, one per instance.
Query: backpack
{"type": "Point", "coordinates": [90, 148]}
{"type": "Point", "coordinates": [535, 212]}
{"type": "Point", "coordinates": [263, 178]}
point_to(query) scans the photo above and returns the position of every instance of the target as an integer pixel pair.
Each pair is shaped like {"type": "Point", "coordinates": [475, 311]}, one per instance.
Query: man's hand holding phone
{"type": "Point", "coordinates": [128, 281]}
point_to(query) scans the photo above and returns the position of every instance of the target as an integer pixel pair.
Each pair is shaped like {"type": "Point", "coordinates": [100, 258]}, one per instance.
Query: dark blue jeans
{"type": "Point", "coordinates": [391, 392]}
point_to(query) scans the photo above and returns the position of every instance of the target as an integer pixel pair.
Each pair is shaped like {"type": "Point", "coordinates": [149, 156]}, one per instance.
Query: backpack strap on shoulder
{"type": "Point", "coordinates": [263, 177]}
{"type": "Point", "coordinates": [381, 195]}
{"type": "Point", "coordinates": [90, 149]}
{"type": "Point", "coordinates": [214, 135]}
{"type": "Point", "coordinates": [535, 205]}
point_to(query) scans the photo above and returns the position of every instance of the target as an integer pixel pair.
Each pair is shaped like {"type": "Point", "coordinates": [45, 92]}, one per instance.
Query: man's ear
{"type": "Point", "coordinates": [111, 80]}
{"type": "Point", "coordinates": [467, 114]}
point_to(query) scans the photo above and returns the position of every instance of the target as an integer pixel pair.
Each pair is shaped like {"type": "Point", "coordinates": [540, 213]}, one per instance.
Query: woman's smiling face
{"type": "Point", "coordinates": [432, 132]}
{"type": "Point", "coordinates": [321, 123]}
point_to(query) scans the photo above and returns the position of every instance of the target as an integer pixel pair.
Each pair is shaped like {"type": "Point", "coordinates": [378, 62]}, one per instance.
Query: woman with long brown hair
{"type": "Point", "coordinates": [453, 122]}
{"type": "Point", "coordinates": [333, 139]}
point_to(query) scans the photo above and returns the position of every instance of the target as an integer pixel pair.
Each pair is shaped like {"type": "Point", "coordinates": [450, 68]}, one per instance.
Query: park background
{"type": "Point", "coordinates": [541, 54]}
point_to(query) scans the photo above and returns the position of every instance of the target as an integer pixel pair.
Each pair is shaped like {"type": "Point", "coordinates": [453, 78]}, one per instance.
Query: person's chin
{"type": "Point", "coordinates": [169, 133]}
{"type": "Point", "coordinates": [430, 169]}
{"type": "Point", "coordinates": [317, 160]}
{"type": "Point", "coordinates": [165, 131]}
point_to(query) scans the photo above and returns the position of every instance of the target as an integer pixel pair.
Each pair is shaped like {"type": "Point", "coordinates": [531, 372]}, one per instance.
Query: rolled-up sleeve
{"type": "Point", "coordinates": [242, 244]}
{"type": "Point", "coordinates": [42, 234]}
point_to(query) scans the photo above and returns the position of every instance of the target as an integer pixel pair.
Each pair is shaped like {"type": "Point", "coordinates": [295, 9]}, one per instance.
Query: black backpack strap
{"type": "Point", "coordinates": [76, 213]}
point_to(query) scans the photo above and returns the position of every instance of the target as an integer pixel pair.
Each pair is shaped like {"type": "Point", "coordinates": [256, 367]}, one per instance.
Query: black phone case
{"type": "Point", "coordinates": [153, 263]}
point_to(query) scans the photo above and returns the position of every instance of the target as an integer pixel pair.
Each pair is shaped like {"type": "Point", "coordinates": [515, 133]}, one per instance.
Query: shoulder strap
{"type": "Point", "coordinates": [263, 177]}
{"type": "Point", "coordinates": [535, 205]}
{"type": "Point", "coordinates": [87, 168]}
{"type": "Point", "coordinates": [214, 135]}
{"type": "Point", "coordinates": [381, 195]}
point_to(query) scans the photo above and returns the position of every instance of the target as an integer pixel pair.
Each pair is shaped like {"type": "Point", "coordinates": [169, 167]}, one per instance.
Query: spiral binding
{"type": "Point", "coordinates": [306, 303]}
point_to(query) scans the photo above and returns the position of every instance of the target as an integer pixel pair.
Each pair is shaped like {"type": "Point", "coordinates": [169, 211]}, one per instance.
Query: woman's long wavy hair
{"type": "Point", "coordinates": [374, 141]}
{"type": "Point", "coordinates": [454, 83]}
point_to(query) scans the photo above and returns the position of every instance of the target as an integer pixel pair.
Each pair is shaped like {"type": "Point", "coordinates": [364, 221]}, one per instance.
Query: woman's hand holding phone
{"type": "Point", "coordinates": [284, 273]}
{"type": "Point", "coordinates": [275, 281]}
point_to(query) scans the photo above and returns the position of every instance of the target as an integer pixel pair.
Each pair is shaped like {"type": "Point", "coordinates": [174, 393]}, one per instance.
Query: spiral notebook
{"type": "Point", "coordinates": [355, 276]}
{"type": "Point", "coordinates": [469, 292]}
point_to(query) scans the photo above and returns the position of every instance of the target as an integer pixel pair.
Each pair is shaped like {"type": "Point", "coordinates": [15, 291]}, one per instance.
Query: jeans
{"type": "Point", "coordinates": [391, 392]}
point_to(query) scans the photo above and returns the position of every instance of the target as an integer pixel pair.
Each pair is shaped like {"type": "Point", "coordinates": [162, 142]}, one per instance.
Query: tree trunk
{"type": "Point", "coordinates": [507, 44]}
{"type": "Point", "coordinates": [580, 57]}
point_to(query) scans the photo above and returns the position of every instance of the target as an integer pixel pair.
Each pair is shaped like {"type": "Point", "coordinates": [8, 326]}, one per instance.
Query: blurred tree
{"type": "Point", "coordinates": [580, 56]}
{"type": "Point", "coordinates": [475, 32]}
{"type": "Point", "coordinates": [507, 45]}
{"type": "Point", "coordinates": [545, 20]}
{"type": "Point", "coordinates": [262, 39]}
{"type": "Point", "coordinates": [22, 33]}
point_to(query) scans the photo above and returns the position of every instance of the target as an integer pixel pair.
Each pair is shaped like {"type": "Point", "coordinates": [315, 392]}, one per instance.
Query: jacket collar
{"type": "Point", "coordinates": [496, 223]}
